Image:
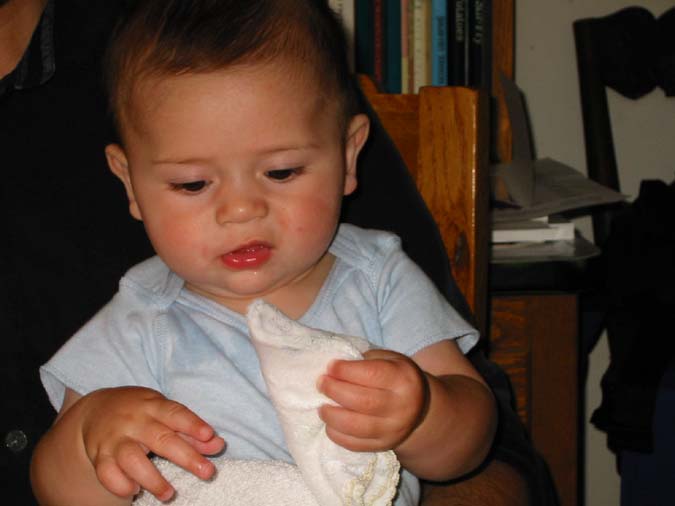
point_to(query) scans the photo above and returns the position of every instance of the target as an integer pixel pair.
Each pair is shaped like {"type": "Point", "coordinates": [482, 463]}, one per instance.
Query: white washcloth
{"type": "Point", "coordinates": [292, 358]}
{"type": "Point", "coordinates": [237, 483]}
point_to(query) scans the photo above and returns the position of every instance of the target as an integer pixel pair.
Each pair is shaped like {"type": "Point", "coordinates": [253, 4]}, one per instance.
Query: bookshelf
{"type": "Point", "coordinates": [378, 33]}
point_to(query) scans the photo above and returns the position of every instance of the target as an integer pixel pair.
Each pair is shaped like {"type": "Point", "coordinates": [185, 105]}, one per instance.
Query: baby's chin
{"type": "Point", "coordinates": [236, 300]}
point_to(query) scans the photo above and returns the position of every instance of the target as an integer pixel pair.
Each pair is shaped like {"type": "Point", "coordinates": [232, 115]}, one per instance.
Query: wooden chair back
{"type": "Point", "coordinates": [441, 133]}
{"type": "Point", "coordinates": [598, 140]}
{"type": "Point", "coordinates": [627, 51]}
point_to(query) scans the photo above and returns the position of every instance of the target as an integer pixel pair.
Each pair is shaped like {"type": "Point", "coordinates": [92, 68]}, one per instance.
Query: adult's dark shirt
{"type": "Point", "coordinates": [68, 237]}
{"type": "Point", "coordinates": [66, 232]}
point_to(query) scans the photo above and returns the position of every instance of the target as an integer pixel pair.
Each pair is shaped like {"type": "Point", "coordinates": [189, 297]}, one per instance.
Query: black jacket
{"type": "Point", "coordinates": [640, 273]}
{"type": "Point", "coordinates": [66, 233]}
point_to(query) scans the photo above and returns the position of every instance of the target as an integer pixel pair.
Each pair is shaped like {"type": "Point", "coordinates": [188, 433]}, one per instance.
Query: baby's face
{"type": "Point", "coordinates": [238, 177]}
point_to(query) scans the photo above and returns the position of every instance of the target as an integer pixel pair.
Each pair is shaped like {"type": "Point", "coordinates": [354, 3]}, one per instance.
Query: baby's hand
{"type": "Point", "coordinates": [122, 425]}
{"type": "Point", "coordinates": [382, 399]}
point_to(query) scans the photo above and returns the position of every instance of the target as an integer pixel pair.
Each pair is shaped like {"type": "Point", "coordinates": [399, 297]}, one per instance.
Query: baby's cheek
{"type": "Point", "coordinates": [316, 216]}
{"type": "Point", "coordinates": [173, 237]}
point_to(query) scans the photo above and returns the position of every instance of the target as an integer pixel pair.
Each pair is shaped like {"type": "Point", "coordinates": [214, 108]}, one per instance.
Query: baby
{"type": "Point", "coordinates": [239, 137]}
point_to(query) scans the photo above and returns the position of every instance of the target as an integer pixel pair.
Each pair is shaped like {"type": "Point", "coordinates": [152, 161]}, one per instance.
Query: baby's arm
{"type": "Point", "coordinates": [96, 451]}
{"type": "Point", "coordinates": [434, 410]}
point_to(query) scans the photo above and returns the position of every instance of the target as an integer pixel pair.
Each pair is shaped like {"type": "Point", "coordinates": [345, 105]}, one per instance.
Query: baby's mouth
{"type": "Point", "coordinates": [248, 256]}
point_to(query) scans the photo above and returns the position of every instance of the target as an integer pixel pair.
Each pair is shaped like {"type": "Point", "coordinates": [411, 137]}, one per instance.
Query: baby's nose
{"type": "Point", "coordinates": [240, 207]}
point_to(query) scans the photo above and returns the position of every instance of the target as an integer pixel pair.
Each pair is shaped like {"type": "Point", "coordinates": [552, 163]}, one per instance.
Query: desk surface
{"type": "Point", "coordinates": [561, 275]}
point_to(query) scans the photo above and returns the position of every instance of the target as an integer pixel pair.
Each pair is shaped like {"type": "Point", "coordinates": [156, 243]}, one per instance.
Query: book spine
{"type": "Point", "coordinates": [336, 5]}
{"type": "Point", "coordinates": [427, 47]}
{"type": "Point", "coordinates": [363, 37]}
{"type": "Point", "coordinates": [421, 38]}
{"type": "Point", "coordinates": [392, 28]}
{"type": "Point", "coordinates": [552, 232]}
{"type": "Point", "coordinates": [487, 46]}
{"type": "Point", "coordinates": [405, 57]}
{"type": "Point", "coordinates": [457, 47]}
{"type": "Point", "coordinates": [378, 43]}
{"type": "Point", "coordinates": [439, 42]}
{"type": "Point", "coordinates": [348, 23]}
{"type": "Point", "coordinates": [477, 36]}
{"type": "Point", "coordinates": [345, 11]}
{"type": "Point", "coordinates": [411, 46]}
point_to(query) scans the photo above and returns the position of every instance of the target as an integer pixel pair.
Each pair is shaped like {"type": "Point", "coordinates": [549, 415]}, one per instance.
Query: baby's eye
{"type": "Point", "coordinates": [282, 174]}
{"type": "Point", "coordinates": [190, 186]}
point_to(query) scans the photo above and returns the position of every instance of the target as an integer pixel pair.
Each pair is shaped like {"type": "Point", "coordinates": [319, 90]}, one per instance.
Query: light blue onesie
{"type": "Point", "coordinates": [157, 334]}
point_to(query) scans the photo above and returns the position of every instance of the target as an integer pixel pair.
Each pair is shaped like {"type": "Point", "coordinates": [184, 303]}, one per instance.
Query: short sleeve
{"type": "Point", "coordinates": [113, 349]}
{"type": "Point", "coordinates": [414, 314]}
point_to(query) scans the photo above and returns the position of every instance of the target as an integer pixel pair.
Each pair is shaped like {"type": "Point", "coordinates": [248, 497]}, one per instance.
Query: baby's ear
{"type": "Point", "coordinates": [357, 134]}
{"type": "Point", "coordinates": [118, 164]}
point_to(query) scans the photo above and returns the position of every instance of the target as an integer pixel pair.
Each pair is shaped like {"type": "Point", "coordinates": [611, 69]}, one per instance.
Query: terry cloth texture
{"type": "Point", "coordinates": [292, 358]}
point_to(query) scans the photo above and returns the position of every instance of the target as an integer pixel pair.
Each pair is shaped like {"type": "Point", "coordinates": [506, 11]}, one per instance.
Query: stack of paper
{"type": "Point", "coordinates": [536, 230]}
{"type": "Point", "coordinates": [529, 195]}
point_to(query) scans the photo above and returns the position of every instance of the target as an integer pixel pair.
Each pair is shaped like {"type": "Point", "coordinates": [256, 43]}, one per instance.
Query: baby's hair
{"type": "Point", "coordinates": [158, 38]}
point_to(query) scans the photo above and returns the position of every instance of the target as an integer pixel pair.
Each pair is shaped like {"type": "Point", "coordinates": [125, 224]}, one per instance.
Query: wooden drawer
{"type": "Point", "coordinates": [534, 338]}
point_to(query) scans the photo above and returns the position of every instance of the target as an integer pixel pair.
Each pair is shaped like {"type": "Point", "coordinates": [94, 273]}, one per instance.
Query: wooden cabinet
{"type": "Point", "coordinates": [534, 338]}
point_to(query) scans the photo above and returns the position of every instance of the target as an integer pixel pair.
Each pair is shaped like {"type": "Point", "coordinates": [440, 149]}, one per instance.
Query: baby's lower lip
{"type": "Point", "coordinates": [248, 257]}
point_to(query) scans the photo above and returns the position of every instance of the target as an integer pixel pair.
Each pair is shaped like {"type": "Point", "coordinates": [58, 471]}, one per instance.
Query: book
{"type": "Point", "coordinates": [363, 38]}
{"type": "Point", "coordinates": [421, 37]}
{"type": "Point", "coordinates": [411, 44]}
{"type": "Point", "coordinates": [378, 35]}
{"type": "Point", "coordinates": [532, 231]}
{"type": "Point", "coordinates": [393, 42]}
{"type": "Point", "coordinates": [336, 5]}
{"type": "Point", "coordinates": [427, 21]}
{"type": "Point", "coordinates": [345, 11]}
{"type": "Point", "coordinates": [405, 54]}
{"type": "Point", "coordinates": [348, 23]}
{"type": "Point", "coordinates": [439, 42]}
{"type": "Point", "coordinates": [545, 251]}
{"type": "Point", "coordinates": [487, 47]}
{"type": "Point", "coordinates": [457, 43]}
{"type": "Point", "coordinates": [478, 41]}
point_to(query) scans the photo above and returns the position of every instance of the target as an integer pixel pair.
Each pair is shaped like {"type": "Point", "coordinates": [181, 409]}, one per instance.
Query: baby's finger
{"type": "Point", "coordinates": [379, 353]}
{"type": "Point", "coordinates": [134, 464]}
{"type": "Point", "coordinates": [211, 447]}
{"type": "Point", "coordinates": [166, 443]}
{"type": "Point", "coordinates": [351, 423]}
{"type": "Point", "coordinates": [181, 419]}
{"type": "Point", "coordinates": [353, 443]}
{"type": "Point", "coordinates": [369, 401]}
{"type": "Point", "coordinates": [376, 373]}
{"type": "Point", "coordinates": [113, 478]}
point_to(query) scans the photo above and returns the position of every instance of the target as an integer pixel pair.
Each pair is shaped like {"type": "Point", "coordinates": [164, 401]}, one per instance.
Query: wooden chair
{"type": "Point", "coordinates": [598, 140]}
{"type": "Point", "coordinates": [442, 136]}
{"type": "Point", "coordinates": [632, 52]}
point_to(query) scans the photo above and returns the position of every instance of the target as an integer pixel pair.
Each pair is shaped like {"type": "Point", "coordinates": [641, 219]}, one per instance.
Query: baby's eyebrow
{"type": "Point", "coordinates": [180, 161]}
{"type": "Point", "coordinates": [265, 151]}
{"type": "Point", "coordinates": [282, 148]}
